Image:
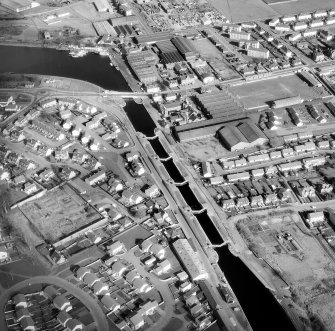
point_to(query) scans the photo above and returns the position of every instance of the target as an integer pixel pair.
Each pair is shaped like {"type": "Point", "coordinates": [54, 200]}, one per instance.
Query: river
{"type": "Point", "coordinates": [261, 308]}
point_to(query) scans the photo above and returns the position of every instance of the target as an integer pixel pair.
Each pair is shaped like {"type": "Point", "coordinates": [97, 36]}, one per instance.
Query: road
{"type": "Point", "coordinates": [96, 312]}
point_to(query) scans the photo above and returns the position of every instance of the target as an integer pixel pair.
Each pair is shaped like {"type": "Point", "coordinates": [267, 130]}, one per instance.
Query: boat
{"type": "Point", "coordinates": [78, 53]}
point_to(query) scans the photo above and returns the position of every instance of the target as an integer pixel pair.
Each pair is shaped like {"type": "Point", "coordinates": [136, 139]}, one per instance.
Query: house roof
{"type": "Point", "coordinates": [63, 317]}
{"type": "Point", "coordinates": [60, 301]}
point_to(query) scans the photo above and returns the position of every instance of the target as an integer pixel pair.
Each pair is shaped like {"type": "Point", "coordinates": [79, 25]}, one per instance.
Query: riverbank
{"type": "Point", "coordinates": [86, 68]}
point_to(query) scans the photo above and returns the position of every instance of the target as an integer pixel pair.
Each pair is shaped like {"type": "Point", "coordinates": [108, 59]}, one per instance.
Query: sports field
{"type": "Point", "coordinates": [258, 94]}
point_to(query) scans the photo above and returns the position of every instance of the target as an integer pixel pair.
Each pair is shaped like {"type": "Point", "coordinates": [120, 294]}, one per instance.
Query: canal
{"type": "Point", "coordinates": [261, 308]}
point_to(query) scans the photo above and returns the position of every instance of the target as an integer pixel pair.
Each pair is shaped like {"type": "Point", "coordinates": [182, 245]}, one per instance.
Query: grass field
{"type": "Point", "coordinates": [258, 94]}
{"type": "Point", "coordinates": [59, 213]}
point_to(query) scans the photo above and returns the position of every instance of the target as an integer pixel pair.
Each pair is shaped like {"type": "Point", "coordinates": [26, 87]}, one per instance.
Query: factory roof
{"type": "Point", "coordinates": [190, 259]}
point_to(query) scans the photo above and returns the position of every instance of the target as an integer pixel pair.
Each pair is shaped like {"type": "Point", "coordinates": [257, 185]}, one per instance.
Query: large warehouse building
{"type": "Point", "coordinates": [168, 52]}
{"type": "Point", "coordinates": [219, 104]}
{"type": "Point", "coordinates": [142, 63]}
{"type": "Point", "coordinates": [243, 136]}
{"type": "Point", "coordinates": [185, 47]}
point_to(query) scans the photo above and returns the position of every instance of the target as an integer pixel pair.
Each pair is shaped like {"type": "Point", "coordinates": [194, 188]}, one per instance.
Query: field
{"type": "Point", "coordinates": [204, 149]}
{"type": "Point", "coordinates": [244, 10]}
{"type": "Point", "coordinates": [300, 261]}
{"type": "Point", "coordinates": [206, 49]}
{"type": "Point", "coordinates": [59, 213]}
{"type": "Point", "coordinates": [259, 94]}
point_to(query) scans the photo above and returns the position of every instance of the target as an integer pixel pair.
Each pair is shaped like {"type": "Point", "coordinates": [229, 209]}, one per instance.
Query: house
{"type": "Point", "coordinates": [115, 185]}
{"type": "Point", "coordinates": [20, 301]}
{"type": "Point", "coordinates": [206, 169]}
{"type": "Point", "coordinates": [138, 168]}
{"type": "Point", "coordinates": [116, 248]}
{"type": "Point", "coordinates": [30, 188]}
{"type": "Point", "coordinates": [100, 288]}
{"type": "Point", "coordinates": [152, 191]}
{"type": "Point", "coordinates": [314, 219]}
{"type": "Point", "coordinates": [132, 156]}
{"type": "Point", "coordinates": [242, 202]}
{"type": "Point", "coordinates": [191, 301]}
{"type": "Point", "coordinates": [61, 302]}
{"type": "Point", "coordinates": [27, 324]}
{"type": "Point", "coordinates": [132, 196]}
{"type": "Point", "coordinates": [81, 272]}
{"type": "Point", "coordinates": [150, 260]}
{"type": "Point", "coordinates": [182, 276]}
{"type": "Point", "coordinates": [149, 307]}
{"type": "Point", "coordinates": [157, 250]}
{"type": "Point", "coordinates": [50, 292]}
{"type": "Point", "coordinates": [22, 313]}
{"type": "Point", "coordinates": [90, 279]}
{"type": "Point", "coordinates": [257, 201]}
{"type": "Point", "coordinates": [141, 285]}
{"type": "Point", "coordinates": [63, 317]}
{"type": "Point", "coordinates": [74, 325]}
{"type": "Point", "coordinates": [228, 204]}
{"type": "Point", "coordinates": [110, 303]}
{"type": "Point", "coordinates": [131, 276]}
{"type": "Point", "coordinates": [118, 268]}
{"type": "Point", "coordinates": [96, 178]}
{"type": "Point", "coordinates": [185, 286]}
{"type": "Point", "coordinates": [136, 320]}
{"type": "Point", "coordinates": [145, 245]}
{"type": "Point", "coordinates": [163, 267]}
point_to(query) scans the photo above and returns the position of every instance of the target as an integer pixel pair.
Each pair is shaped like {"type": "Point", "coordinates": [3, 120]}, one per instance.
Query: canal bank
{"type": "Point", "coordinates": [95, 69]}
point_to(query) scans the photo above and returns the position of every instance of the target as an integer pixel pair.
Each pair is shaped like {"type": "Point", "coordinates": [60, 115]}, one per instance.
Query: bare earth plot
{"type": "Point", "coordinates": [59, 213]}
{"type": "Point", "coordinates": [301, 261]}
{"type": "Point", "coordinates": [295, 7]}
{"type": "Point", "coordinates": [244, 10]}
{"type": "Point", "coordinates": [258, 94]}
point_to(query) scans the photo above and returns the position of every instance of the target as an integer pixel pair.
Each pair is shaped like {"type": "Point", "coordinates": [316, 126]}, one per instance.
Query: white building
{"type": "Point", "coordinates": [190, 259]}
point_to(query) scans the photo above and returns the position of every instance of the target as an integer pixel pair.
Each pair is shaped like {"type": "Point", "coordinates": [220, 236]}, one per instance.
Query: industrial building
{"type": "Point", "coordinates": [131, 20]}
{"type": "Point", "coordinates": [102, 6]}
{"type": "Point", "coordinates": [168, 52]}
{"type": "Point", "coordinates": [243, 136]}
{"type": "Point", "coordinates": [19, 5]}
{"type": "Point", "coordinates": [124, 30]}
{"type": "Point", "coordinates": [142, 63]}
{"type": "Point", "coordinates": [152, 38]}
{"type": "Point", "coordinates": [185, 47]}
{"type": "Point", "coordinates": [104, 28]}
{"type": "Point", "coordinates": [286, 102]}
{"type": "Point", "coordinates": [261, 52]}
{"type": "Point", "coordinates": [219, 104]}
{"type": "Point", "coordinates": [190, 259]}
{"type": "Point", "coordinates": [236, 35]}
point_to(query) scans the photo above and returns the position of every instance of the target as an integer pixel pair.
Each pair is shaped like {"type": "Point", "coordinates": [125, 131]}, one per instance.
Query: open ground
{"type": "Point", "coordinates": [59, 213]}
{"type": "Point", "coordinates": [301, 262]}
{"type": "Point", "coordinates": [259, 94]}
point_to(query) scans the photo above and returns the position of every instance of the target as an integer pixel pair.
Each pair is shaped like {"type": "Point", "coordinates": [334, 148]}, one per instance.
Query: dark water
{"type": "Point", "coordinates": [261, 308]}
{"type": "Point", "coordinates": [210, 229]}
{"type": "Point", "coordinates": [92, 68]}
{"type": "Point", "coordinates": [258, 303]}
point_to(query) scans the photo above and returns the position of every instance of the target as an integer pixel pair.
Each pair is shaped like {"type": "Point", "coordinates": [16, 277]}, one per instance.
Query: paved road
{"type": "Point", "coordinates": [89, 302]}
{"type": "Point", "coordinates": [163, 289]}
